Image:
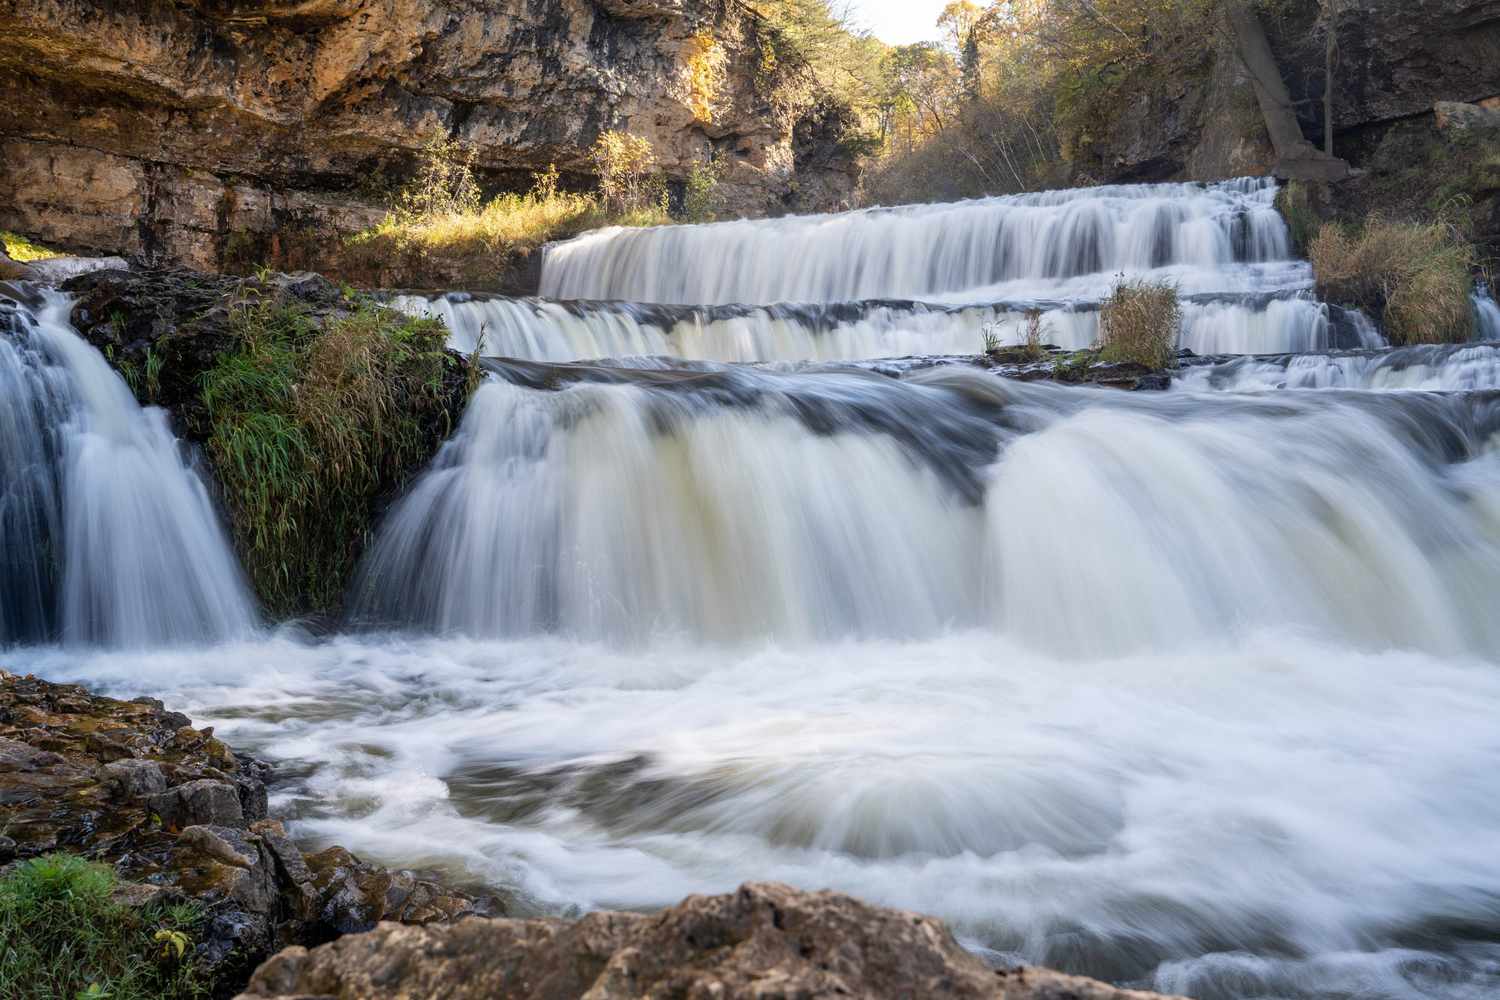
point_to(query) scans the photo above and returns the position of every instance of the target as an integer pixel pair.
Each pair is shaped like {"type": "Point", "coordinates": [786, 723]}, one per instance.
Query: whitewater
{"type": "Point", "coordinates": [1191, 690]}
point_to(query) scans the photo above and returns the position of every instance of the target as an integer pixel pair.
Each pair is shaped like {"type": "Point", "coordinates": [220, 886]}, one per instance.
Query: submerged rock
{"type": "Point", "coordinates": [181, 815]}
{"type": "Point", "coordinates": [766, 940]}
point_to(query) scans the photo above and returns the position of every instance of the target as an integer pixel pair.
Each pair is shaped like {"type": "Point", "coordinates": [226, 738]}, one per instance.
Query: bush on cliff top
{"type": "Point", "coordinates": [1417, 276]}
{"type": "Point", "coordinates": [311, 422]}
{"type": "Point", "coordinates": [1139, 324]}
{"type": "Point", "coordinates": [63, 936]}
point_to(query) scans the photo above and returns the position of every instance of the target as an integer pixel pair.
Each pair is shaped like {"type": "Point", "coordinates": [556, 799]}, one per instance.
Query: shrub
{"type": "Point", "coordinates": [309, 424]}
{"type": "Point", "coordinates": [705, 65]}
{"type": "Point", "coordinates": [1416, 276]}
{"type": "Point", "coordinates": [1139, 324]}
{"type": "Point", "coordinates": [64, 936]}
{"type": "Point", "coordinates": [626, 165]}
{"type": "Point", "coordinates": [444, 183]}
{"type": "Point", "coordinates": [700, 198]}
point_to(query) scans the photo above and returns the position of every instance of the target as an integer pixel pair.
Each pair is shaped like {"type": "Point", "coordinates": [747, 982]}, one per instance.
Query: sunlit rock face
{"type": "Point", "coordinates": [175, 131]}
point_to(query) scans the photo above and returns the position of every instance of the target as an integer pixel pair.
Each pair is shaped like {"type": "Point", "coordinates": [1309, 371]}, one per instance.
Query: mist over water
{"type": "Point", "coordinates": [727, 575]}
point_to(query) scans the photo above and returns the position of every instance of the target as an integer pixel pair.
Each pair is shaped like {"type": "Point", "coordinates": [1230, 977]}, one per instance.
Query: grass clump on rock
{"type": "Point", "coordinates": [311, 421]}
{"type": "Point", "coordinates": [1417, 276]}
{"type": "Point", "coordinates": [1139, 324]}
{"type": "Point", "coordinates": [65, 936]}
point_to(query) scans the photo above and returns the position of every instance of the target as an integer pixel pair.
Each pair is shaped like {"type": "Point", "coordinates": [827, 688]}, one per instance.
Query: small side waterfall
{"type": "Point", "coordinates": [1486, 314]}
{"type": "Point", "coordinates": [108, 534]}
{"type": "Point", "coordinates": [1431, 368]}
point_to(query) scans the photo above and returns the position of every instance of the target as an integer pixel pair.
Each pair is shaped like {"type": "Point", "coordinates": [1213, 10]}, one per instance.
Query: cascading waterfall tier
{"type": "Point", "coordinates": [1429, 367]}
{"type": "Point", "coordinates": [929, 250]}
{"type": "Point", "coordinates": [542, 330]}
{"type": "Point", "coordinates": [107, 534]}
{"type": "Point", "coordinates": [725, 503]}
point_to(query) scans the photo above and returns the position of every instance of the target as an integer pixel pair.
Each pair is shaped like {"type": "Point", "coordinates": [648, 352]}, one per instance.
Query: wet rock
{"type": "Point", "coordinates": [354, 896]}
{"type": "Point", "coordinates": [203, 801]}
{"type": "Point", "coordinates": [222, 844]}
{"type": "Point", "coordinates": [765, 940]}
{"type": "Point", "coordinates": [134, 779]}
{"type": "Point", "coordinates": [180, 816]}
{"type": "Point", "coordinates": [14, 270]}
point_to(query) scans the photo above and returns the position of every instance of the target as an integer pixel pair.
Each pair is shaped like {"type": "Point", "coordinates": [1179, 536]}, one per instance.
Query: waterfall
{"type": "Point", "coordinates": [1487, 314]}
{"type": "Point", "coordinates": [540, 330]}
{"type": "Point", "coordinates": [925, 250]}
{"type": "Point", "coordinates": [1431, 367]}
{"type": "Point", "coordinates": [726, 503]}
{"type": "Point", "coordinates": [109, 534]}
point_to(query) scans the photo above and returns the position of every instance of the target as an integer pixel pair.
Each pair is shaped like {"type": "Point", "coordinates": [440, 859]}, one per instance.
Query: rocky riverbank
{"type": "Point", "coordinates": [181, 816]}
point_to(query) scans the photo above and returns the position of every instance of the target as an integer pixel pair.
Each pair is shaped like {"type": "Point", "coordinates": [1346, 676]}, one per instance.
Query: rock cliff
{"type": "Point", "coordinates": [180, 131]}
{"type": "Point", "coordinates": [1194, 115]}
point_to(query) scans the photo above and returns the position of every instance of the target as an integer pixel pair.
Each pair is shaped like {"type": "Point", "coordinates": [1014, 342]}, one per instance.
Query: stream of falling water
{"type": "Point", "coordinates": [1192, 690]}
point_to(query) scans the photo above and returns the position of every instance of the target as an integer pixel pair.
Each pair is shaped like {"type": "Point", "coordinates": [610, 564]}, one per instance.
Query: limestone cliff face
{"type": "Point", "coordinates": [1199, 120]}
{"type": "Point", "coordinates": [168, 129]}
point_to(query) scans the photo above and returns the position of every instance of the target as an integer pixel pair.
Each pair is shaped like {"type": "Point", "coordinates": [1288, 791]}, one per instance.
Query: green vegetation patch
{"type": "Point", "coordinates": [64, 936]}
{"type": "Point", "coordinates": [19, 248]}
{"type": "Point", "coordinates": [311, 422]}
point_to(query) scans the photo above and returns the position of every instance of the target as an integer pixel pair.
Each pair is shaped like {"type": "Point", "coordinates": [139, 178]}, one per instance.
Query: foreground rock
{"type": "Point", "coordinates": [181, 815]}
{"type": "Point", "coordinates": [764, 941]}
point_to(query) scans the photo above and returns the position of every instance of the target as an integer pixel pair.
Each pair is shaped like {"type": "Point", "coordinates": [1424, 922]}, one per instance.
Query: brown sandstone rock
{"type": "Point", "coordinates": [764, 941]}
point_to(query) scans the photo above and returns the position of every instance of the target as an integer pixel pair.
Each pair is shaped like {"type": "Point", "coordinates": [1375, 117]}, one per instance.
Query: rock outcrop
{"type": "Point", "coordinates": [181, 815]}
{"type": "Point", "coordinates": [198, 131]}
{"type": "Point", "coordinates": [766, 940]}
{"type": "Point", "coordinates": [1197, 118]}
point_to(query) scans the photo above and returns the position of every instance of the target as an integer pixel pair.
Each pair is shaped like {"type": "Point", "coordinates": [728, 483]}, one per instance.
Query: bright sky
{"type": "Point", "coordinates": [899, 22]}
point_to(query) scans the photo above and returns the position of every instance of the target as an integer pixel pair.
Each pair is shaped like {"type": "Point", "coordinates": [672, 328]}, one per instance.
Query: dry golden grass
{"type": "Point", "coordinates": [1418, 276]}
{"type": "Point", "coordinates": [1139, 324]}
{"type": "Point", "coordinates": [472, 245]}
{"type": "Point", "coordinates": [507, 223]}
{"type": "Point", "coordinates": [19, 248]}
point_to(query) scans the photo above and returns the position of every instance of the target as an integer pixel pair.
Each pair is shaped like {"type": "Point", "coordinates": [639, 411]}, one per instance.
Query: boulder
{"type": "Point", "coordinates": [134, 779]}
{"type": "Point", "coordinates": [1457, 117]}
{"type": "Point", "coordinates": [14, 270]}
{"type": "Point", "coordinates": [205, 801]}
{"type": "Point", "coordinates": [766, 940]}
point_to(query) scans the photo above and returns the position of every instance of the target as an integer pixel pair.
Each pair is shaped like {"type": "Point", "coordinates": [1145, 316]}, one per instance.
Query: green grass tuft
{"type": "Point", "coordinates": [63, 937]}
{"type": "Point", "coordinates": [310, 424]}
